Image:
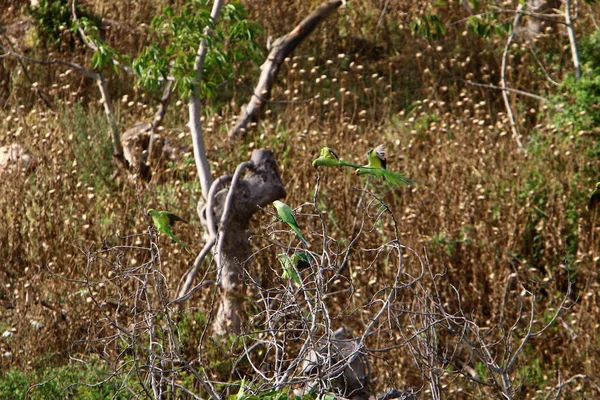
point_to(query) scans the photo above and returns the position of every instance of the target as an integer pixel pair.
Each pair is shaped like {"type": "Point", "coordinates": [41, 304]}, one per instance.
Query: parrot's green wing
{"type": "Point", "coordinates": [163, 221]}
{"type": "Point", "coordinates": [287, 215]}
{"type": "Point", "coordinates": [173, 218]}
{"type": "Point", "coordinates": [378, 172]}
{"type": "Point", "coordinates": [376, 167]}
{"type": "Point", "coordinates": [347, 164]}
{"type": "Point", "coordinates": [594, 198]}
{"type": "Point", "coordinates": [158, 219]}
{"type": "Point", "coordinates": [392, 177]}
{"type": "Point", "coordinates": [300, 260]}
{"type": "Point", "coordinates": [289, 269]}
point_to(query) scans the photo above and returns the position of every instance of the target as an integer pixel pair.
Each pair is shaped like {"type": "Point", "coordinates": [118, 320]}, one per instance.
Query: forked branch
{"type": "Point", "coordinates": [279, 50]}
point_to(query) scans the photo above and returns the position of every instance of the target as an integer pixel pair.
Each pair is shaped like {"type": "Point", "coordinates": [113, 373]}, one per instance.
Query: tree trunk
{"type": "Point", "coordinates": [235, 206]}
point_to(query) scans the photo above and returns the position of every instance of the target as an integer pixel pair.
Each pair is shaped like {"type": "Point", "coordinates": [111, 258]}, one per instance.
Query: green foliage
{"type": "Point", "coordinates": [13, 385]}
{"type": "Point", "coordinates": [91, 147]}
{"type": "Point", "coordinates": [581, 109]}
{"type": "Point", "coordinates": [220, 354]}
{"type": "Point", "coordinates": [232, 42]}
{"type": "Point", "coordinates": [487, 24]}
{"type": "Point", "coordinates": [285, 394]}
{"type": "Point", "coordinates": [190, 327]}
{"type": "Point", "coordinates": [486, 21]}
{"type": "Point", "coordinates": [533, 372]}
{"type": "Point", "coordinates": [429, 26]}
{"type": "Point", "coordinates": [449, 246]}
{"type": "Point", "coordinates": [571, 231]}
{"type": "Point", "coordinates": [79, 381]}
{"type": "Point", "coordinates": [52, 17]}
{"type": "Point", "coordinates": [104, 55]}
{"type": "Point", "coordinates": [535, 194]}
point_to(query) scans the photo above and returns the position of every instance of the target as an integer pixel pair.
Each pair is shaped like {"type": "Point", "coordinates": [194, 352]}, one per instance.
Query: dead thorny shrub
{"type": "Point", "coordinates": [417, 327]}
{"type": "Point", "coordinates": [481, 209]}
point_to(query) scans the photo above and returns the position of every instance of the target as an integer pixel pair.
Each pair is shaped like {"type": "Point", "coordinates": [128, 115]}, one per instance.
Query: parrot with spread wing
{"type": "Point", "coordinates": [287, 215]}
{"type": "Point", "coordinates": [163, 220]}
{"type": "Point", "coordinates": [328, 158]}
{"type": "Point", "coordinates": [377, 166]}
{"type": "Point", "coordinates": [594, 198]}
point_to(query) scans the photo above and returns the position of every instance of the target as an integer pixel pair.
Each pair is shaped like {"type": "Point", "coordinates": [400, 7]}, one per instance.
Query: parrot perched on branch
{"type": "Point", "coordinates": [287, 215]}
{"type": "Point", "coordinates": [328, 158]}
{"type": "Point", "coordinates": [376, 166]}
{"type": "Point", "coordinates": [291, 265]}
{"type": "Point", "coordinates": [163, 220]}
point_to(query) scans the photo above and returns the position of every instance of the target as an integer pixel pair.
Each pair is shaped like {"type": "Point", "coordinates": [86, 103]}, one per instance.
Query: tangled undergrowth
{"type": "Point", "coordinates": [498, 224]}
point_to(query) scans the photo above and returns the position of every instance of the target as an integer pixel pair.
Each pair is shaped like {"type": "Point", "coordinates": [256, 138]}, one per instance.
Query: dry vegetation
{"type": "Point", "coordinates": [497, 222]}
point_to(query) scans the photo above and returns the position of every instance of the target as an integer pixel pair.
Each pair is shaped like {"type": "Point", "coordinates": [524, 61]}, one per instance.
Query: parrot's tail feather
{"type": "Point", "coordinates": [179, 242]}
{"type": "Point", "coordinates": [299, 234]}
{"type": "Point", "coordinates": [397, 179]}
{"type": "Point", "coordinates": [347, 164]}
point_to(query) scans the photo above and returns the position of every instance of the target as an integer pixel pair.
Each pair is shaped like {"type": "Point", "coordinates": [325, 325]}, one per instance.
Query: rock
{"type": "Point", "coordinates": [341, 363]}
{"type": "Point", "coordinates": [16, 158]}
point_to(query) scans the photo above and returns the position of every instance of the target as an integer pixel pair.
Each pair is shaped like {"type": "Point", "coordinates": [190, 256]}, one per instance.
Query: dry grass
{"type": "Point", "coordinates": [482, 210]}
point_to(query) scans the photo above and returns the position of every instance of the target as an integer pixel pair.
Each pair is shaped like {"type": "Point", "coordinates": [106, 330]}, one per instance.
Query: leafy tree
{"type": "Point", "coordinates": [178, 33]}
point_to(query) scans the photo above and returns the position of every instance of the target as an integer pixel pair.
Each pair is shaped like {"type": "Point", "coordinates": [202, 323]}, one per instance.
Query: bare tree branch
{"type": "Point", "coordinates": [507, 89]}
{"type": "Point", "coordinates": [280, 49]}
{"type": "Point", "coordinates": [509, 41]}
{"type": "Point", "coordinates": [572, 38]}
{"type": "Point", "coordinates": [195, 106]}
{"type": "Point", "coordinates": [102, 87]}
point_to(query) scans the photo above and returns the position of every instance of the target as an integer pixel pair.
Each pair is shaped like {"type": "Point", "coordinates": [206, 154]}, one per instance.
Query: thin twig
{"type": "Point", "coordinates": [511, 37]}
{"type": "Point", "coordinates": [507, 89]}
{"type": "Point", "coordinates": [572, 39]}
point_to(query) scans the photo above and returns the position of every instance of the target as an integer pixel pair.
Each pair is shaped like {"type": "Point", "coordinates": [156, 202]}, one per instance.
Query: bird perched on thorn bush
{"type": "Point", "coordinates": [163, 221]}
{"type": "Point", "coordinates": [287, 215]}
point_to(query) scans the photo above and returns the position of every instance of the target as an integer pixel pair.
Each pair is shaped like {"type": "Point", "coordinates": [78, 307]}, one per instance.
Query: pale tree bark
{"type": "Point", "coordinates": [279, 50]}
{"type": "Point", "coordinates": [231, 203]}
{"type": "Point", "coordinates": [195, 107]}
{"type": "Point", "coordinates": [110, 115]}
{"type": "Point", "coordinates": [505, 95]}
{"type": "Point", "coordinates": [572, 38]}
{"type": "Point", "coordinates": [260, 186]}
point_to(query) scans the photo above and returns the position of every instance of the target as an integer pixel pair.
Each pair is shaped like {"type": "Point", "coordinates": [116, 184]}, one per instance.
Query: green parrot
{"type": "Point", "coordinates": [300, 260]}
{"type": "Point", "coordinates": [328, 158]}
{"type": "Point", "coordinates": [291, 264]}
{"type": "Point", "coordinates": [376, 166]}
{"type": "Point", "coordinates": [163, 220]}
{"type": "Point", "coordinates": [287, 215]}
{"type": "Point", "coordinates": [595, 198]}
